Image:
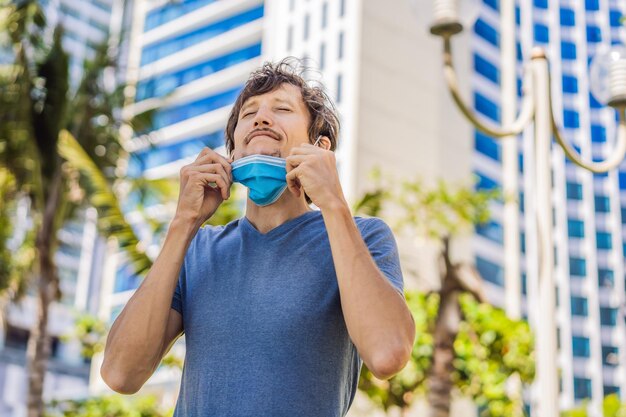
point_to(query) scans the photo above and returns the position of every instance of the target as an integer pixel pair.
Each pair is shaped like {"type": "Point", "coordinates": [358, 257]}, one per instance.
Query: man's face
{"type": "Point", "coordinates": [272, 123]}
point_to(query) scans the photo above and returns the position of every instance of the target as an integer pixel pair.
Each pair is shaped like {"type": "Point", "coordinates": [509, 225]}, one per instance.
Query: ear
{"type": "Point", "coordinates": [324, 143]}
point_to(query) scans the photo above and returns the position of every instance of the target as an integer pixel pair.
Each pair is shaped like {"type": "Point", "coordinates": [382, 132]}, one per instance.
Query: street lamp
{"type": "Point", "coordinates": [608, 85]}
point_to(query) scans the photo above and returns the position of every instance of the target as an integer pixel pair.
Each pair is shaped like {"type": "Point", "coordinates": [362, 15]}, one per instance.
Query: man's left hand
{"type": "Point", "coordinates": [313, 170]}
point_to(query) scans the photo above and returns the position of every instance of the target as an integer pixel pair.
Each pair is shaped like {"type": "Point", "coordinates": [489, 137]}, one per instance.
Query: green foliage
{"type": "Point", "coordinates": [90, 331]}
{"type": "Point", "coordinates": [611, 407]}
{"type": "Point", "coordinates": [108, 406]}
{"type": "Point", "coordinates": [400, 390]}
{"type": "Point", "coordinates": [15, 263]}
{"type": "Point", "coordinates": [172, 361]}
{"type": "Point", "coordinates": [489, 348]}
{"type": "Point", "coordinates": [428, 211]}
{"type": "Point", "coordinates": [111, 220]}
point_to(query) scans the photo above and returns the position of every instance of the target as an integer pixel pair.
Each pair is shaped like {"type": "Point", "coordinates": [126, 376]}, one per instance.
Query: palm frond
{"type": "Point", "coordinates": [111, 221]}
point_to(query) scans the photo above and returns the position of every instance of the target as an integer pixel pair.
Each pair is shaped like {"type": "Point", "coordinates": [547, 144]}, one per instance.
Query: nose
{"type": "Point", "coordinates": [262, 117]}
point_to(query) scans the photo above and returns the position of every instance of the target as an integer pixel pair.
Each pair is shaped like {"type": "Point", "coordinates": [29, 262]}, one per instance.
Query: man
{"type": "Point", "coordinates": [281, 307]}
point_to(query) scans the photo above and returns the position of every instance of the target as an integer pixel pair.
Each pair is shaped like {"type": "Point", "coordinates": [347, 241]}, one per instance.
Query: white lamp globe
{"type": "Point", "coordinates": [446, 16]}
{"type": "Point", "coordinates": [607, 75]}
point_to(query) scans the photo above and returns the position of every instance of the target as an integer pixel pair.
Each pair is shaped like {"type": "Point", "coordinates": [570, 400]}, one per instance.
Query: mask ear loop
{"type": "Point", "coordinates": [317, 141]}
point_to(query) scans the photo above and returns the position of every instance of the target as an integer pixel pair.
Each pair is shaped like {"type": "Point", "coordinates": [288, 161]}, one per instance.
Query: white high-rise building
{"type": "Point", "coordinates": [589, 213]}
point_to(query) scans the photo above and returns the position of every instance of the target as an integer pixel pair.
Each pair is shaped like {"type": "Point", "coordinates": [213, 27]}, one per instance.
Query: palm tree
{"type": "Point", "coordinates": [42, 162]}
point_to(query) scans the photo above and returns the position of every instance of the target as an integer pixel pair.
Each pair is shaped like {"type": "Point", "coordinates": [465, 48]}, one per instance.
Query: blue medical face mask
{"type": "Point", "coordinates": [264, 176]}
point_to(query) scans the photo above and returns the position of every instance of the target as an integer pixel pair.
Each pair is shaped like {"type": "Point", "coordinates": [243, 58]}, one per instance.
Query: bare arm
{"type": "Point", "coordinates": [377, 317]}
{"type": "Point", "coordinates": [378, 320]}
{"type": "Point", "coordinates": [147, 326]}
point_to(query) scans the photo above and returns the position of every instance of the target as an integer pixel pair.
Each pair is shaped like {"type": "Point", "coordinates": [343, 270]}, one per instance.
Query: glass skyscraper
{"type": "Point", "coordinates": [590, 209]}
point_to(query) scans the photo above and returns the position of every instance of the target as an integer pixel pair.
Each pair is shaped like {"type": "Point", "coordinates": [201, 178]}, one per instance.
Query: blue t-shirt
{"type": "Point", "coordinates": [264, 330]}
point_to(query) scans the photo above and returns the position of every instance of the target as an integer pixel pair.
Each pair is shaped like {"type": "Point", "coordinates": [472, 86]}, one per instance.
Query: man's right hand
{"type": "Point", "coordinates": [204, 185]}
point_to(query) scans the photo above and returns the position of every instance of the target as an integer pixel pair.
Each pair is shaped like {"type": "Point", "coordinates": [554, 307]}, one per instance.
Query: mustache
{"type": "Point", "coordinates": [271, 132]}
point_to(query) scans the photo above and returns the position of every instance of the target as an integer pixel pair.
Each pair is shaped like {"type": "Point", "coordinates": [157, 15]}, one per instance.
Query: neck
{"type": "Point", "coordinates": [285, 208]}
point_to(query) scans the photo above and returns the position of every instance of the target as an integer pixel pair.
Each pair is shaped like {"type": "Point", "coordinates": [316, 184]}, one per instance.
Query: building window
{"type": "Point", "coordinates": [289, 38]}
{"type": "Point", "coordinates": [568, 17]}
{"type": "Point", "coordinates": [594, 34]}
{"type": "Point", "coordinates": [542, 4]}
{"type": "Point", "coordinates": [592, 5]}
{"type": "Point", "coordinates": [610, 356]}
{"type": "Point", "coordinates": [322, 55]}
{"type": "Point", "coordinates": [568, 50]}
{"type": "Point", "coordinates": [582, 388]}
{"type": "Point", "coordinates": [608, 316]}
{"type": "Point", "coordinates": [488, 33]}
{"type": "Point", "coordinates": [603, 240]}
{"type": "Point", "coordinates": [324, 15]}
{"type": "Point", "coordinates": [484, 182]}
{"type": "Point", "coordinates": [306, 26]}
{"type": "Point", "coordinates": [615, 17]}
{"type": "Point", "coordinates": [342, 8]}
{"type": "Point", "coordinates": [580, 346]}
{"type": "Point", "coordinates": [486, 107]}
{"type": "Point", "coordinates": [574, 191]}
{"type": "Point", "coordinates": [292, 5]}
{"type": "Point", "coordinates": [606, 278]}
{"type": "Point", "coordinates": [491, 230]}
{"type": "Point", "coordinates": [339, 87]}
{"type": "Point", "coordinates": [579, 306]}
{"type": "Point", "coordinates": [340, 46]}
{"type": "Point", "coordinates": [487, 146]}
{"type": "Point", "coordinates": [602, 204]}
{"type": "Point", "coordinates": [494, 4]}
{"type": "Point", "coordinates": [571, 119]}
{"type": "Point", "coordinates": [610, 389]}
{"type": "Point", "coordinates": [575, 228]}
{"type": "Point", "coordinates": [577, 266]}
{"type": "Point", "coordinates": [598, 134]}
{"type": "Point", "coordinates": [490, 271]}
{"type": "Point", "coordinates": [542, 34]}
{"type": "Point", "coordinates": [570, 84]}
{"type": "Point", "coordinates": [486, 69]}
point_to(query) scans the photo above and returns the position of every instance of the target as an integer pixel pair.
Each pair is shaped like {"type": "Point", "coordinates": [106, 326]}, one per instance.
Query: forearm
{"type": "Point", "coordinates": [376, 315]}
{"type": "Point", "coordinates": [134, 343]}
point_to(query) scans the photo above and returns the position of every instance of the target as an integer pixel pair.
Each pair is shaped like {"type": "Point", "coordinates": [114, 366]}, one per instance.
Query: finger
{"type": "Point", "coordinates": [305, 149]}
{"type": "Point", "coordinates": [293, 184]}
{"type": "Point", "coordinates": [213, 169]}
{"type": "Point", "coordinates": [207, 178]}
{"type": "Point", "coordinates": [212, 156]}
{"type": "Point", "coordinates": [293, 161]}
{"type": "Point", "coordinates": [203, 152]}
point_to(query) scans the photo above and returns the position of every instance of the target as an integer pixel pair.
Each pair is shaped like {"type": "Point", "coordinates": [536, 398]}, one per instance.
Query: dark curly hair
{"type": "Point", "coordinates": [323, 114]}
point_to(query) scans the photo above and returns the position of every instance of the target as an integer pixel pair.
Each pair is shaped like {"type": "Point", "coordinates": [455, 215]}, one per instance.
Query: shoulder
{"type": "Point", "coordinates": [213, 233]}
{"type": "Point", "coordinates": [371, 224]}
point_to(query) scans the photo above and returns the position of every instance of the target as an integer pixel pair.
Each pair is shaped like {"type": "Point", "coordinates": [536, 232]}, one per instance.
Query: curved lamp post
{"type": "Point", "coordinates": [608, 78]}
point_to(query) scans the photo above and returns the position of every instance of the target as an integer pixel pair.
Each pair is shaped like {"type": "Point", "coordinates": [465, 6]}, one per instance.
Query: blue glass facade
{"type": "Point", "coordinates": [164, 84]}
{"type": "Point", "coordinates": [571, 35]}
{"type": "Point", "coordinates": [169, 46]}
{"type": "Point", "coordinates": [165, 154]}
{"type": "Point", "coordinates": [170, 115]}
{"type": "Point", "coordinates": [172, 10]}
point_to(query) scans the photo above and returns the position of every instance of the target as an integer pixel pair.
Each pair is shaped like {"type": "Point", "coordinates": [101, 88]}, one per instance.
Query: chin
{"type": "Point", "coordinates": [262, 150]}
